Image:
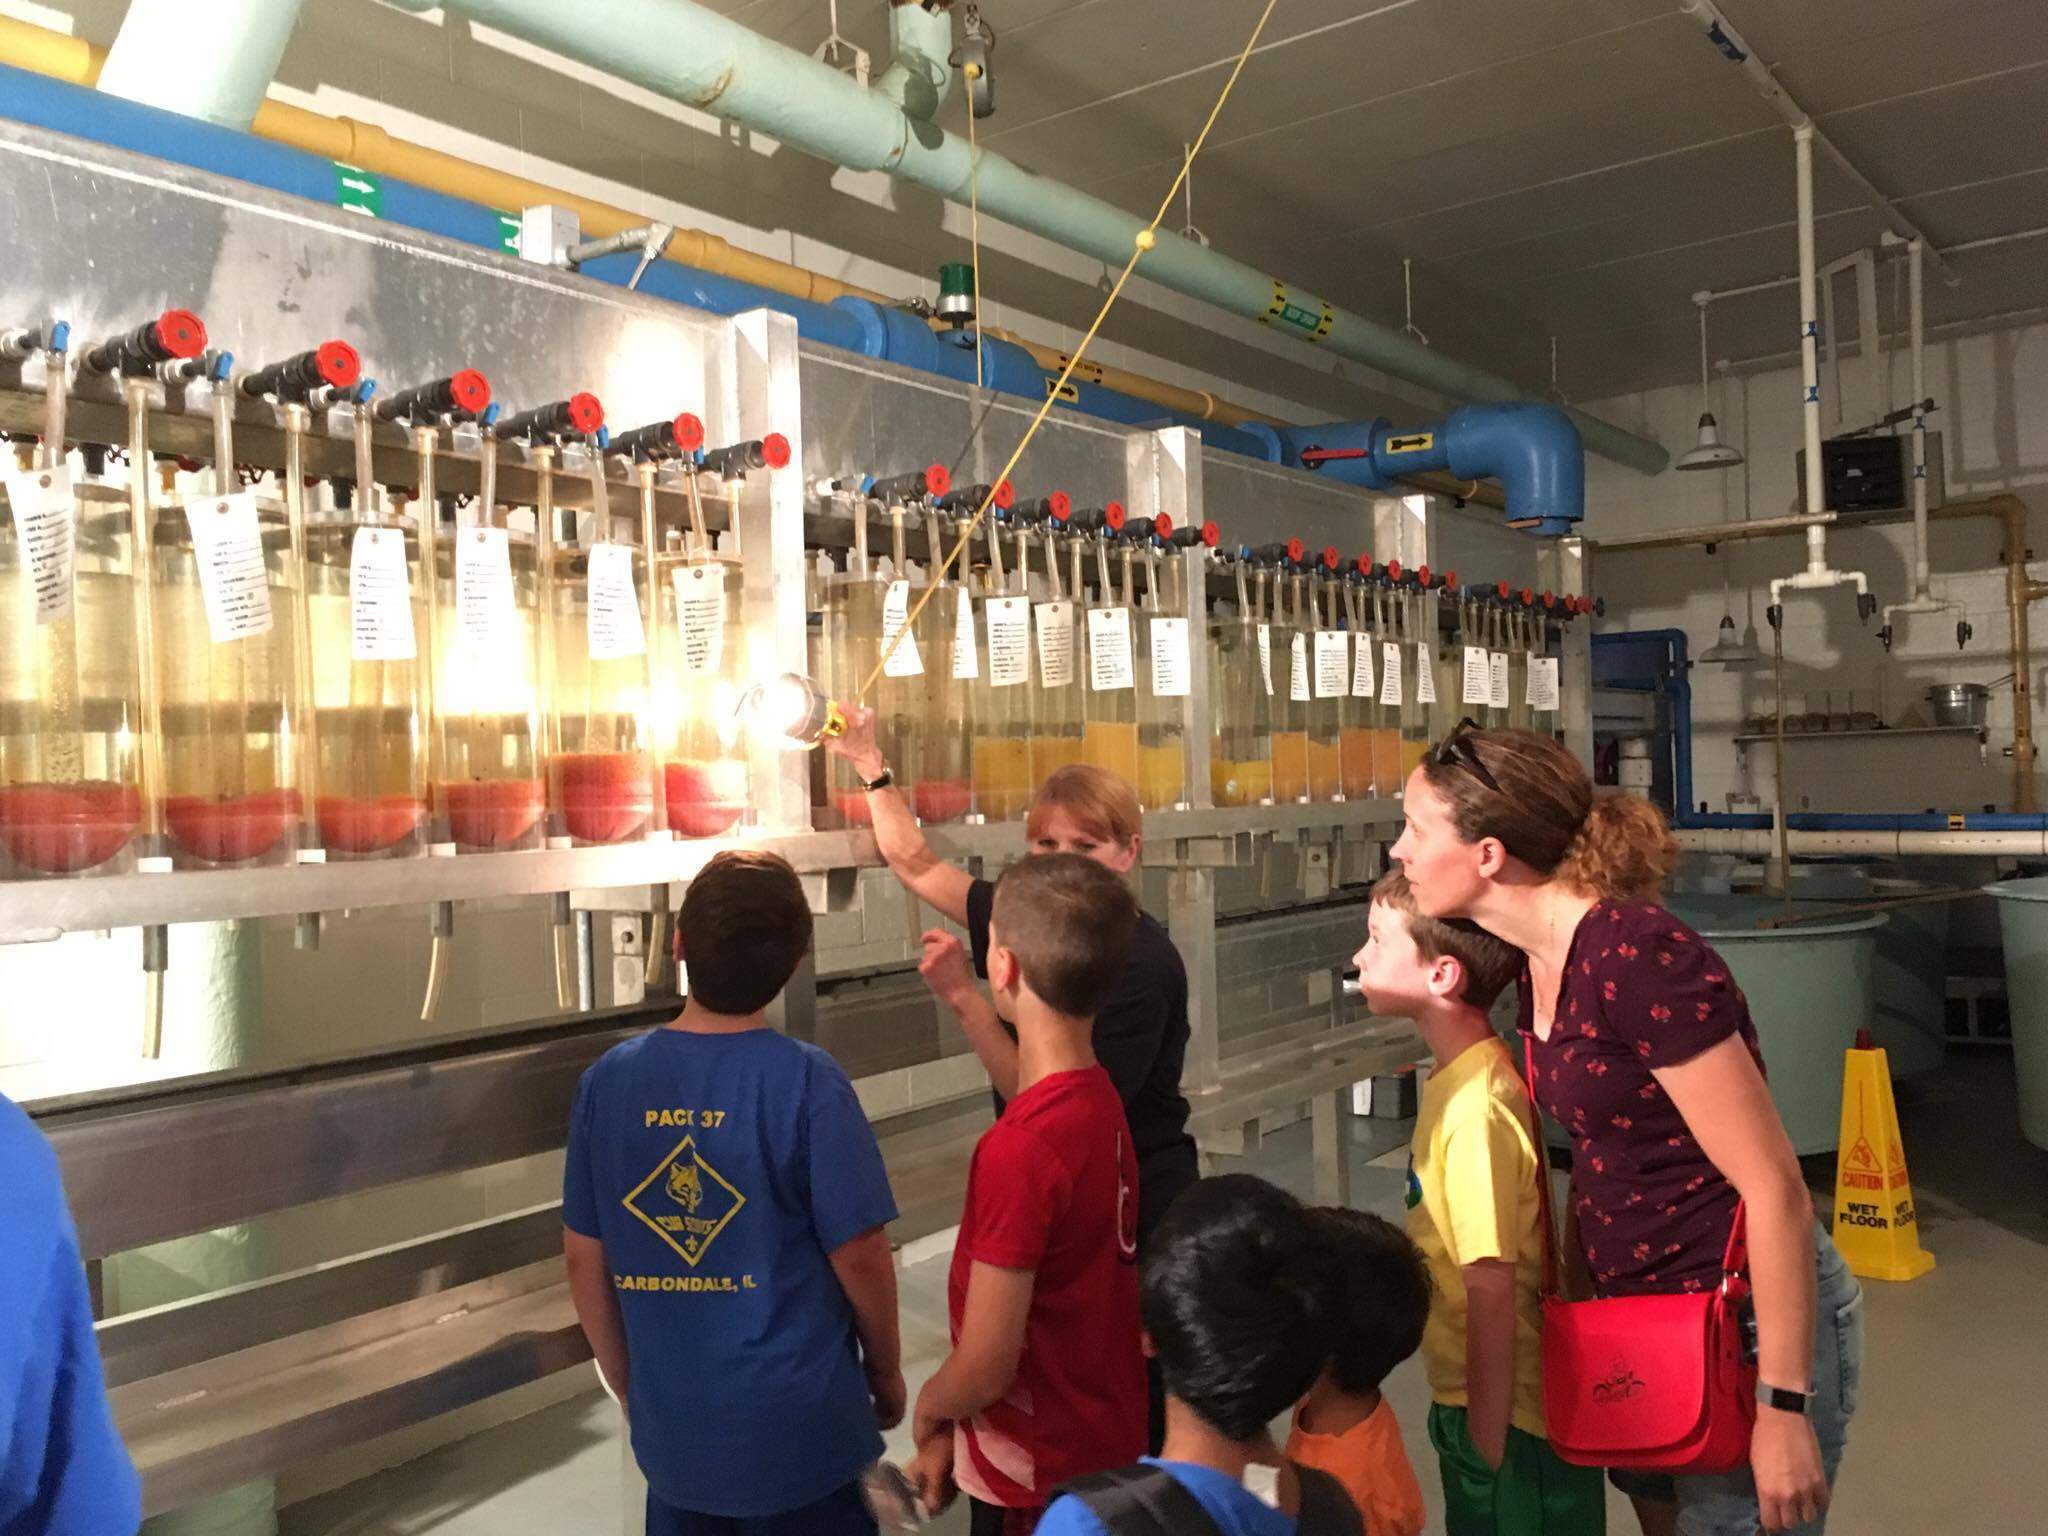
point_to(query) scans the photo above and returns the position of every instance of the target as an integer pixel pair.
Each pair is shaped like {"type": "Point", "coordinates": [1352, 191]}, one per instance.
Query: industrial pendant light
{"type": "Point", "coordinates": [1711, 452]}
{"type": "Point", "coordinates": [1737, 655]}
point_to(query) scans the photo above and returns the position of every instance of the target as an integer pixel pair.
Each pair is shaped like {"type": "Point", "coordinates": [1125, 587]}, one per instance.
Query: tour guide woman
{"type": "Point", "coordinates": [1141, 1035]}
{"type": "Point", "coordinates": [1645, 1054]}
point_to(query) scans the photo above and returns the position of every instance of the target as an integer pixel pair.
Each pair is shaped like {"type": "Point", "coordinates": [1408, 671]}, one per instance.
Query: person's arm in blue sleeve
{"type": "Point", "coordinates": [590, 1277]}
{"type": "Point", "coordinates": [851, 1208]}
{"type": "Point", "coordinates": [63, 1468]}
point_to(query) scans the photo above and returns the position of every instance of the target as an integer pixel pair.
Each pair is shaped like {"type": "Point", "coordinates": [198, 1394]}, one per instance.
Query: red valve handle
{"type": "Point", "coordinates": [337, 364]}
{"type": "Point", "coordinates": [470, 391]}
{"type": "Point", "coordinates": [181, 333]}
{"type": "Point", "coordinates": [586, 412]}
{"type": "Point", "coordinates": [775, 451]}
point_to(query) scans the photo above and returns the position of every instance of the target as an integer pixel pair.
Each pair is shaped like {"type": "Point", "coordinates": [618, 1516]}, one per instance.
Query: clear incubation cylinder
{"type": "Point", "coordinates": [369, 687]}
{"type": "Point", "coordinates": [70, 691]}
{"type": "Point", "coordinates": [601, 781]}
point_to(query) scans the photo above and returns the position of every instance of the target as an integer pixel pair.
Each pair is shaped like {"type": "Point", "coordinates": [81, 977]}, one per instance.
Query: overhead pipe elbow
{"type": "Point", "coordinates": [919, 75]}
{"type": "Point", "coordinates": [1532, 449]}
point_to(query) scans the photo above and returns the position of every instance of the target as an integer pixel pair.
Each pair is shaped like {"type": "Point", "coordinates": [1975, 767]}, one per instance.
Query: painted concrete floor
{"type": "Point", "coordinates": [1950, 1418]}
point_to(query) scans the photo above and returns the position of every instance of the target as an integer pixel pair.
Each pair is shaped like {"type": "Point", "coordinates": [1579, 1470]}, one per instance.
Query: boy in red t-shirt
{"type": "Point", "coordinates": [1046, 1380]}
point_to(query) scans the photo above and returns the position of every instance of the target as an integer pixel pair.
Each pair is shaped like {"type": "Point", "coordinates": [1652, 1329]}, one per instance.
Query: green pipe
{"type": "Point", "coordinates": [692, 55]}
{"type": "Point", "coordinates": [920, 72]}
{"type": "Point", "coordinates": [211, 61]}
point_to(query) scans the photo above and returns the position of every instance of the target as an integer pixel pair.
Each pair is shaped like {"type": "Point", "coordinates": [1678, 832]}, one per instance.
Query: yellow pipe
{"type": "Point", "coordinates": [78, 62]}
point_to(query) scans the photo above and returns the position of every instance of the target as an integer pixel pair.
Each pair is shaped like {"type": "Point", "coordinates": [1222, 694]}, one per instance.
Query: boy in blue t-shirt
{"type": "Point", "coordinates": [63, 1469]}
{"type": "Point", "coordinates": [725, 1207]}
{"type": "Point", "coordinates": [1239, 1306]}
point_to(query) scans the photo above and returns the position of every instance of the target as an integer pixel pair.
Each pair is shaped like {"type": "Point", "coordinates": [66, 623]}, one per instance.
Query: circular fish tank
{"type": "Point", "coordinates": [1810, 987]}
{"type": "Point", "coordinates": [2023, 923]}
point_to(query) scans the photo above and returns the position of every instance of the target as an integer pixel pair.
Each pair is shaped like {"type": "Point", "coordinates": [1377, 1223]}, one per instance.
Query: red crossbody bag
{"type": "Point", "coordinates": [1648, 1382]}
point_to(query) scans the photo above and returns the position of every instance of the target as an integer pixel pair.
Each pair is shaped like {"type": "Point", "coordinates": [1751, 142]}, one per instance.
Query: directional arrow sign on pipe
{"type": "Point", "coordinates": [694, 56]}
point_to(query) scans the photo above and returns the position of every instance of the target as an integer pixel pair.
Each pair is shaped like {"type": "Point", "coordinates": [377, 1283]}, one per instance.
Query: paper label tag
{"type": "Point", "coordinates": [1542, 682]}
{"type": "Point", "coordinates": [613, 627]}
{"type": "Point", "coordinates": [1478, 676]}
{"type": "Point", "coordinates": [1297, 671]}
{"type": "Point", "coordinates": [966, 652]}
{"type": "Point", "coordinates": [700, 616]}
{"type": "Point", "coordinates": [486, 620]}
{"type": "Point", "coordinates": [1170, 658]}
{"type": "Point", "coordinates": [904, 660]}
{"type": "Point", "coordinates": [1055, 644]}
{"type": "Point", "coordinates": [1009, 641]}
{"type": "Point", "coordinates": [228, 545]}
{"type": "Point", "coordinates": [379, 597]}
{"type": "Point", "coordinates": [1425, 674]}
{"type": "Point", "coordinates": [1266, 657]}
{"type": "Point", "coordinates": [1333, 647]}
{"type": "Point", "coordinates": [1363, 684]}
{"type": "Point", "coordinates": [48, 535]}
{"type": "Point", "coordinates": [1498, 694]}
{"type": "Point", "coordinates": [1390, 672]}
{"type": "Point", "coordinates": [1109, 650]}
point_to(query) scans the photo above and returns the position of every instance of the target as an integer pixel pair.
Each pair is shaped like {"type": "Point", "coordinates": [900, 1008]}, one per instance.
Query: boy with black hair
{"type": "Point", "coordinates": [1474, 1212]}
{"type": "Point", "coordinates": [725, 1204]}
{"type": "Point", "coordinates": [1345, 1426]}
{"type": "Point", "coordinates": [1239, 1302]}
{"type": "Point", "coordinates": [1046, 1380]}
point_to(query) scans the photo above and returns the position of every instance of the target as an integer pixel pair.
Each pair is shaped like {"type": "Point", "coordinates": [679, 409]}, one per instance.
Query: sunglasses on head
{"type": "Point", "coordinates": [1458, 750]}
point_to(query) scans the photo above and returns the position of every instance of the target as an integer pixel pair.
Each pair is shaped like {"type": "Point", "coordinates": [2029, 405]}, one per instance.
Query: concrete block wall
{"type": "Point", "coordinates": [1992, 391]}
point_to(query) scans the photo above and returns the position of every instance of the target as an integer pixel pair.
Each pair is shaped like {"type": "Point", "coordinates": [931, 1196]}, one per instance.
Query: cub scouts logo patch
{"type": "Point", "coordinates": [685, 1202]}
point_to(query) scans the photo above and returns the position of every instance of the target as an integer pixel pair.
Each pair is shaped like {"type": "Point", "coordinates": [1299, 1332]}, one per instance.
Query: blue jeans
{"type": "Point", "coordinates": [1724, 1503]}
{"type": "Point", "coordinates": [844, 1513]}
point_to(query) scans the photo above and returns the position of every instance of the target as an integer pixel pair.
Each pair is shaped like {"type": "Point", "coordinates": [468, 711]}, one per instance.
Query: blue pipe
{"type": "Point", "coordinates": [1533, 450]}
{"type": "Point", "coordinates": [1675, 683]}
{"type": "Point", "coordinates": [1866, 821]}
{"type": "Point", "coordinates": [1513, 442]}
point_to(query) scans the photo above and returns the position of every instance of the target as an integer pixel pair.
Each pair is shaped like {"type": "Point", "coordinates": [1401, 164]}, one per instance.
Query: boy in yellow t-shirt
{"type": "Point", "coordinates": [1473, 1211]}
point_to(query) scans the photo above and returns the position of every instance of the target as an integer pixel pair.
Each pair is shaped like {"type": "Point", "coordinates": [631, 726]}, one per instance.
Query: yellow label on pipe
{"type": "Point", "coordinates": [1069, 391]}
{"type": "Point", "coordinates": [1411, 442]}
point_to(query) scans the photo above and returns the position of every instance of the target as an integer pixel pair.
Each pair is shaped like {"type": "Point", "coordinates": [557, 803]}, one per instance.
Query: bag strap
{"type": "Point", "coordinates": [1545, 1219]}
{"type": "Point", "coordinates": [1141, 1501]}
{"type": "Point", "coordinates": [1734, 1256]}
{"type": "Point", "coordinates": [1326, 1509]}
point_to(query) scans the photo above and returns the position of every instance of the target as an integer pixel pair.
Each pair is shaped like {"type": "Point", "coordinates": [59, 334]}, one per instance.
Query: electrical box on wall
{"type": "Point", "coordinates": [1870, 475]}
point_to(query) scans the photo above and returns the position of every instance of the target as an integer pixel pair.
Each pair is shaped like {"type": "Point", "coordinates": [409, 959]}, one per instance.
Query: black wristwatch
{"type": "Point", "coordinates": [881, 780]}
{"type": "Point", "coordinates": [1800, 1403]}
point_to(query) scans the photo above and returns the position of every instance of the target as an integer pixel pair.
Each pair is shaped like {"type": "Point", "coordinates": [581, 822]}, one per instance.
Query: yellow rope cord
{"type": "Point", "coordinates": [973, 73]}
{"type": "Point", "coordinates": [1146, 239]}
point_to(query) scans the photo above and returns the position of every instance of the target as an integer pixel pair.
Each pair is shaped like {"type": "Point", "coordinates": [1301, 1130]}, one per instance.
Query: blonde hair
{"type": "Point", "coordinates": [1615, 846]}
{"type": "Point", "coordinates": [1099, 803]}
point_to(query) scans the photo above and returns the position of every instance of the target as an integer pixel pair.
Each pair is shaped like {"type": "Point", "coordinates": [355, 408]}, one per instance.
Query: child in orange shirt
{"type": "Point", "coordinates": [1344, 1426]}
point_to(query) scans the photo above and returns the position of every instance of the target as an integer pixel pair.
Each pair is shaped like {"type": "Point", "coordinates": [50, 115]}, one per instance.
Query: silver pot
{"type": "Point", "coordinates": [1958, 703]}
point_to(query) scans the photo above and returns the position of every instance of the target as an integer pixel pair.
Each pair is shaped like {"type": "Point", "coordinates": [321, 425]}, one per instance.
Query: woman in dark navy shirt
{"type": "Point", "coordinates": [1644, 1052]}
{"type": "Point", "coordinates": [1141, 1035]}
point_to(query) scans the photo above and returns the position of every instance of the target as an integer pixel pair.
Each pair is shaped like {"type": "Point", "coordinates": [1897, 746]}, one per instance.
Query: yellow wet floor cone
{"type": "Point", "coordinates": [1875, 1227]}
